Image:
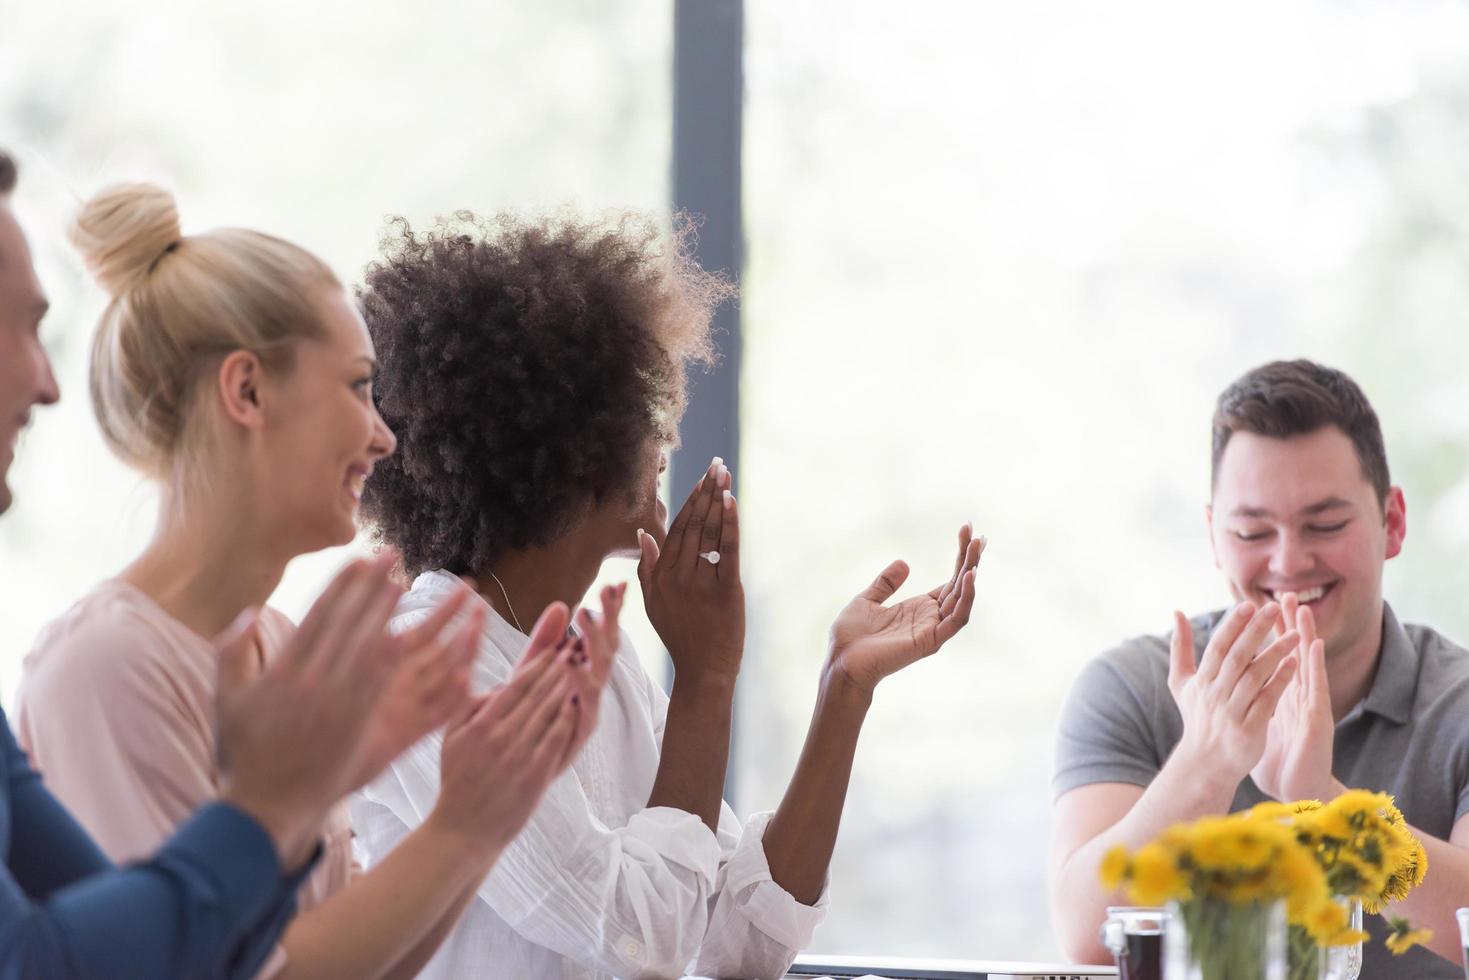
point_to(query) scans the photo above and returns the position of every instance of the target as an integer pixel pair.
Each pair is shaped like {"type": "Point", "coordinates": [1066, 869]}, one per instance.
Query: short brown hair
{"type": "Point", "coordinates": [7, 173]}
{"type": "Point", "coordinates": [1294, 398]}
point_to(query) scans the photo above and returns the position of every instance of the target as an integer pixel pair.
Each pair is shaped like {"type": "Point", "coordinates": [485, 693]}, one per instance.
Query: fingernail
{"type": "Point", "coordinates": [728, 500]}
{"type": "Point", "coordinates": [718, 462]}
{"type": "Point", "coordinates": [984, 542]}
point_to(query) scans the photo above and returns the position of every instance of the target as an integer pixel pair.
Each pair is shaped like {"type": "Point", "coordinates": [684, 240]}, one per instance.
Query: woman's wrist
{"type": "Point", "coordinates": [838, 688]}
{"type": "Point", "coordinates": [293, 838]}
{"type": "Point", "coordinates": [704, 679]}
{"type": "Point", "coordinates": [481, 845]}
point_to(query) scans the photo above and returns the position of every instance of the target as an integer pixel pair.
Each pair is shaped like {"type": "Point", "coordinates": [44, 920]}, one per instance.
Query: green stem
{"type": "Point", "coordinates": [1227, 941]}
{"type": "Point", "coordinates": [1303, 956]}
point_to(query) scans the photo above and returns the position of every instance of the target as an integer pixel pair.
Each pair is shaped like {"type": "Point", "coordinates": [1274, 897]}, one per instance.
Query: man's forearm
{"type": "Point", "coordinates": [695, 747]}
{"type": "Point", "coordinates": [1181, 791]}
{"type": "Point", "coordinates": [801, 836]}
{"type": "Point", "coordinates": [186, 911]}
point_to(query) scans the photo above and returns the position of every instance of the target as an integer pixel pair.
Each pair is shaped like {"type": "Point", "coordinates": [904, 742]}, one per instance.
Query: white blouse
{"type": "Point", "coordinates": [599, 884]}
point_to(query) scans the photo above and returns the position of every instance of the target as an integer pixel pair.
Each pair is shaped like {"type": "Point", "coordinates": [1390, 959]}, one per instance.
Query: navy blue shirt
{"type": "Point", "coordinates": [212, 902]}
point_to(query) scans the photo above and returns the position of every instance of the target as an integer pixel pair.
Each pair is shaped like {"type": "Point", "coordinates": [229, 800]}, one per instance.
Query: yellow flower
{"type": "Point", "coordinates": [1360, 801]}
{"type": "Point", "coordinates": [1332, 822]}
{"type": "Point", "coordinates": [1325, 921]}
{"type": "Point", "coordinates": [1254, 849]}
{"type": "Point", "coordinates": [1402, 936]}
{"type": "Point", "coordinates": [1300, 882]}
{"type": "Point", "coordinates": [1155, 877]}
{"type": "Point", "coordinates": [1114, 868]}
{"type": "Point", "coordinates": [1354, 877]}
{"type": "Point", "coordinates": [1269, 810]}
{"type": "Point", "coordinates": [1209, 844]}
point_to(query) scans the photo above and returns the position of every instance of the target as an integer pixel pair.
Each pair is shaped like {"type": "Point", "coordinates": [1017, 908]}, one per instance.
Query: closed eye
{"type": "Point", "coordinates": [1252, 535]}
{"type": "Point", "coordinates": [1327, 528]}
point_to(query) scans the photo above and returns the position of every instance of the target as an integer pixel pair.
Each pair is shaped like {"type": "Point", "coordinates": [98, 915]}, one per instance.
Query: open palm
{"type": "Point", "coordinates": [870, 640]}
{"type": "Point", "coordinates": [1298, 752]}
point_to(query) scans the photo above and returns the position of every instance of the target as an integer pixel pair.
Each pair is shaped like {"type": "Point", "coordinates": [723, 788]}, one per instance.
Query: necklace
{"type": "Point", "coordinates": [508, 607]}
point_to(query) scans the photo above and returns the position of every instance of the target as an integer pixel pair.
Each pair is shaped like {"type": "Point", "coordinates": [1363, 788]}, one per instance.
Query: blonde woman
{"type": "Point", "coordinates": [231, 368]}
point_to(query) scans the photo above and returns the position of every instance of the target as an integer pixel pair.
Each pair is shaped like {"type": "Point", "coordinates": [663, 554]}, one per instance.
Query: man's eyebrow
{"type": "Point", "coordinates": [1319, 507]}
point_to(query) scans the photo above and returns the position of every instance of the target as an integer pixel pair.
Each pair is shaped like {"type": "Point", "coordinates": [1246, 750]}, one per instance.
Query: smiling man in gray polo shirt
{"type": "Point", "coordinates": [1242, 705]}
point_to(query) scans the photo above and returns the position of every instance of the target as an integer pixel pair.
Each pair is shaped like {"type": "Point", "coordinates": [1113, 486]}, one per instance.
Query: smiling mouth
{"type": "Point", "coordinates": [1306, 597]}
{"type": "Point", "coordinates": [355, 481]}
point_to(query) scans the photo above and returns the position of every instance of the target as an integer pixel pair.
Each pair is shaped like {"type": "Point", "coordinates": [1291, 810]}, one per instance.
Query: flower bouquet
{"type": "Point", "coordinates": [1245, 888]}
{"type": "Point", "coordinates": [1370, 857]}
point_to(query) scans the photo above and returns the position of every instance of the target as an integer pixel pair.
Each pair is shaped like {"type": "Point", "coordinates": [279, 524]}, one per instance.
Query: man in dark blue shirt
{"type": "Point", "coordinates": [293, 736]}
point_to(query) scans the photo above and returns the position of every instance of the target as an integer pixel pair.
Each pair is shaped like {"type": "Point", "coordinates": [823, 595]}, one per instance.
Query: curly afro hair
{"type": "Point", "coordinates": [525, 362]}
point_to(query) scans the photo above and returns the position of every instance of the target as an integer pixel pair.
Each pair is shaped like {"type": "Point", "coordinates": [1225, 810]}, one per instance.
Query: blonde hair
{"type": "Point", "coordinates": [179, 304]}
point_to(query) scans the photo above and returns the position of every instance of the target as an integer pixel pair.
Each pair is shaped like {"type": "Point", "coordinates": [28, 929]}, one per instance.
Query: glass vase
{"type": "Point", "coordinates": [1463, 917]}
{"type": "Point", "coordinates": [1211, 939]}
{"type": "Point", "coordinates": [1333, 963]}
{"type": "Point", "coordinates": [1307, 961]}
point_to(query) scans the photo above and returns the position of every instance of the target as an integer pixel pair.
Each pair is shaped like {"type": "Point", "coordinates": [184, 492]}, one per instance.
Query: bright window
{"type": "Point", "coordinates": [311, 121]}
{"type": "Point", "coordinates": [1002, 259]}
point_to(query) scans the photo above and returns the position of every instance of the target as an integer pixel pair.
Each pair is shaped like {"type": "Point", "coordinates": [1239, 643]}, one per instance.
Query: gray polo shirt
{"type": "Point", "coordinates": [1408, 737]}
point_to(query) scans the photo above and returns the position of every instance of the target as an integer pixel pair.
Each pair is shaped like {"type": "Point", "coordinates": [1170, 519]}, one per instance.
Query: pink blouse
{"type": "Point", "coordinates": [116, 708]}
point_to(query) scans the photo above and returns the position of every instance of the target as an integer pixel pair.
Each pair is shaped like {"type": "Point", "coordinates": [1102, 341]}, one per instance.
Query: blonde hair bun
{"type": "Point", "coordinates": [123, 231]}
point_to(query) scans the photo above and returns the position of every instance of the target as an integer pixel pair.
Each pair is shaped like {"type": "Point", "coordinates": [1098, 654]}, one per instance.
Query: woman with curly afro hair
{"type": "Point", "coordinates": [534, 370]}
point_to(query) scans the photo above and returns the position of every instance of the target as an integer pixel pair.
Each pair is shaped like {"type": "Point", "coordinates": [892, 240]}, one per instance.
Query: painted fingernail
{"type": "Point", "coordinates": [728, 500]}
{"type": "Point", "coordinates": [718, 462]}
{"type": "Point", "coordinates": [984, 542]}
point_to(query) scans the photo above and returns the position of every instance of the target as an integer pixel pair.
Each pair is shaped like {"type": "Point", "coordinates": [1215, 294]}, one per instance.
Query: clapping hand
{"type": "Point", "coordinates": [593, 653]}
{"type": "Point", "coordinates": [1228, 697]}
{"type": "Point", "coordinates": [430, 684]}
{"type": "Point", "coordinates": [292, 734]}
{"type": "Point", "coordinates": [691, 585]}
{"type": "Point", "coordinates": [870, 640]}
{"type": "Point", "coordinates": [508, 745]}
{"type": "Point", "coordinates": [1296, 764]}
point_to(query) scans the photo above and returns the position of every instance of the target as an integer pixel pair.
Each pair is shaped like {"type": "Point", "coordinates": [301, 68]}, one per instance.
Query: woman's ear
{"type": "Point", "coordinates": [240, 379]}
